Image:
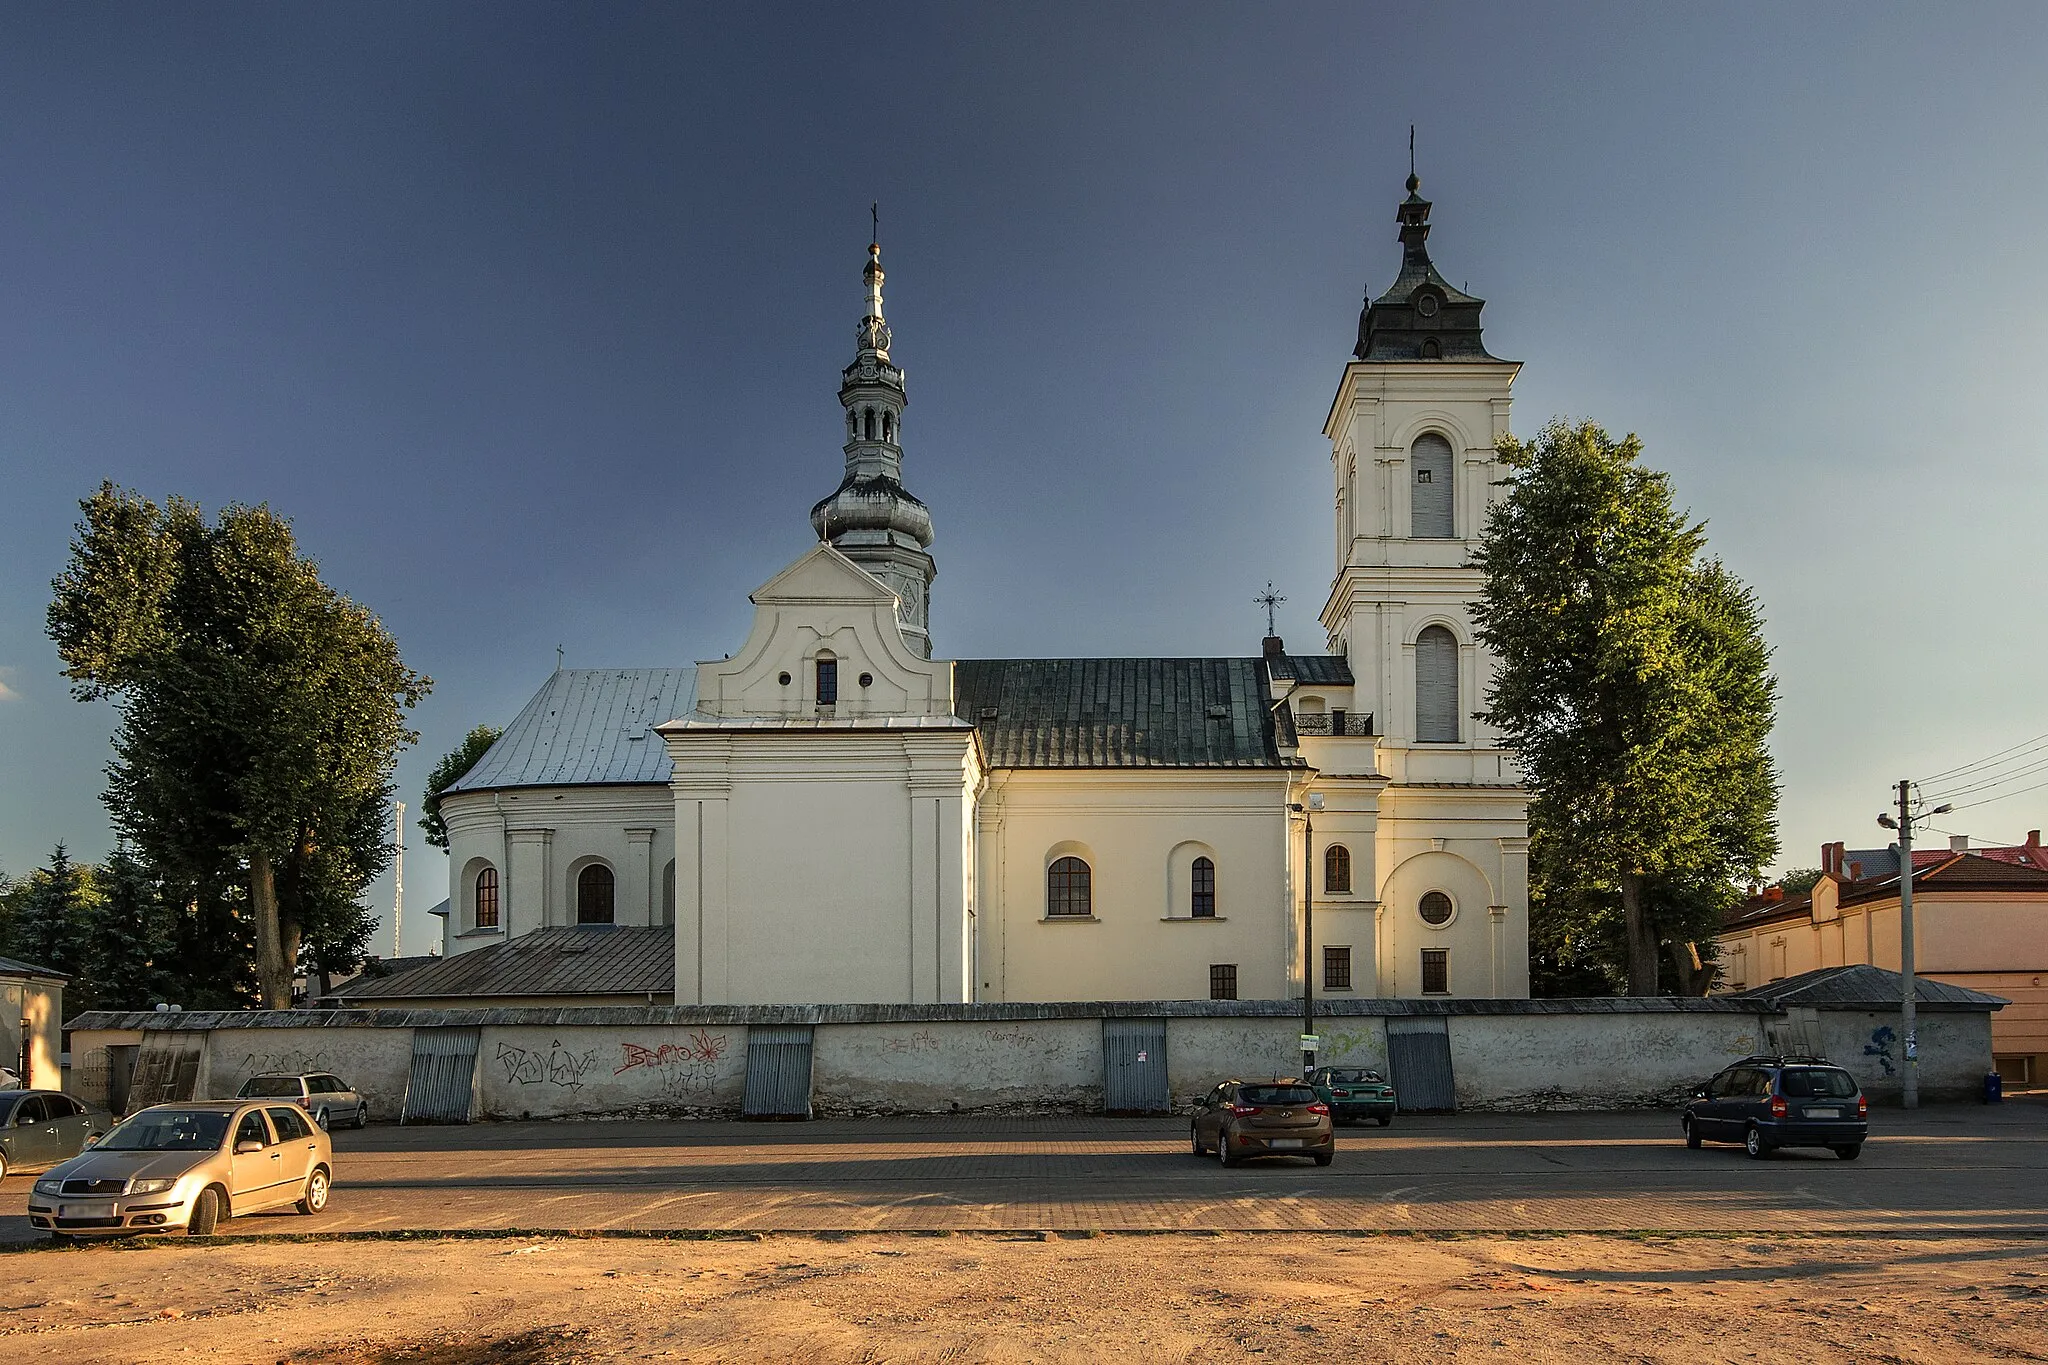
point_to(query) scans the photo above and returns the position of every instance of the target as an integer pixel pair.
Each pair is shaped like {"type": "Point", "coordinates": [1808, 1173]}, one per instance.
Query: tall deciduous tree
{"type": "Point", "coordinates": [450, 770]}
{"type": "Point", "coordinates": [1635, 684]}
{"type": "Point", "coordinates": [261, 711]}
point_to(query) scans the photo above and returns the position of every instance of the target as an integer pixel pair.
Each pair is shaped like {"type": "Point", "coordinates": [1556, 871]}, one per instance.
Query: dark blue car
{"type": "Point", "coordinates": [1766, 1103]}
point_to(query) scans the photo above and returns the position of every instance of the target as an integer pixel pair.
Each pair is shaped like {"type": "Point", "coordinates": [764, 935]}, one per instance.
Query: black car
{"type": "Point", "coordinates": [1766, 1103]}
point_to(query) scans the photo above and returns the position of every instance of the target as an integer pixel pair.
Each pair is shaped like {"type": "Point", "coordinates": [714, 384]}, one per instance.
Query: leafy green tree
{"type": "Point", "coordinates": [51, 914]}
{"type": "Point", "coordinates": [261, 712]}
{"type": "Point", "coordinates": [1634, 683]}
{"type": "Point", "coordinates": [1800, 880]}
{"type": "Point", "coordinates": [447, 773]}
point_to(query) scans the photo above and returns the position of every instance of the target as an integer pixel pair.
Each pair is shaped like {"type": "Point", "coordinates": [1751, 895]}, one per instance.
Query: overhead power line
{"type": "Point", "coordinates": [1991, 780]}
{"type": "Point", "coordinates": [2002, 796]}
{"type": "Point", "coordinates": [1950, 773]}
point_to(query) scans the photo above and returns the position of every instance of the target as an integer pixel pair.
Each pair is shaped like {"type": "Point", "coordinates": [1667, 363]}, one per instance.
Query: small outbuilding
{"type": "Point", "coordinates": [31, 1022]}
{"type": "Point", "coordinates": [1851, 1016]}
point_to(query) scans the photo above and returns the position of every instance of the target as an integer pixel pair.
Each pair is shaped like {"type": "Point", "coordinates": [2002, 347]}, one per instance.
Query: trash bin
{"type": "Point", "coordinates": [1994, 1087]}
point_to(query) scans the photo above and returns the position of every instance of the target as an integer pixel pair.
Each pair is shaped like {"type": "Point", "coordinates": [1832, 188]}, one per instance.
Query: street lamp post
{"type": "Point", "coordinates": [1308, 927]}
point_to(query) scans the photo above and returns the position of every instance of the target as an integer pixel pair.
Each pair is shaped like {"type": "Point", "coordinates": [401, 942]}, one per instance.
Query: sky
{"type": "Point", "coordinates": [530, 317]}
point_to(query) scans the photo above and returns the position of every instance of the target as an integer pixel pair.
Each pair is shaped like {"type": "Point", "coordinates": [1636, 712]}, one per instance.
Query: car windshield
{"type": "Point", "coordinates": [270, 1088]}
{"type": "Point", "coordinates": [1816, 1083]}
{"type": "Point", "coordinates": [1278, 1094]}
{"type": "Point", "coordinates": [168, 1130]}
{"type": "Point", "coordinates": [1352, 1077]}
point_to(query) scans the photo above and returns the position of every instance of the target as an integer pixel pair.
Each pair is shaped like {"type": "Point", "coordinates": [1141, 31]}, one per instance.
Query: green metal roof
{"type": "Point", "coordinates": [1118, 713]}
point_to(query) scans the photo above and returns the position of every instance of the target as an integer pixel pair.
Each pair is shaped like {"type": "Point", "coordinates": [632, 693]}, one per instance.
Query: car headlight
{"type": "Point", "coordinates": [49, 1187]}
{"type": "Point", "coordinates": [153, 1186]}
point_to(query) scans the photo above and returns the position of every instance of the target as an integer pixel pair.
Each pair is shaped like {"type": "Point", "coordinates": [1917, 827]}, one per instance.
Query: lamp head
{"type": "Point", "coordinates": [1887, 822]}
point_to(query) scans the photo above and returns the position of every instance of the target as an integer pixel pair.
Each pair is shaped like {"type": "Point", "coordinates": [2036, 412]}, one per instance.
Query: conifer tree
{"type": "Point", "coordinates": [51, 916]}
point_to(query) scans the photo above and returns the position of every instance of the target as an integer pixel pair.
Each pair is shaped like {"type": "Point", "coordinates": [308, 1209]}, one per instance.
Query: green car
{"type": "Point", "coordinates": [1353, 1092]}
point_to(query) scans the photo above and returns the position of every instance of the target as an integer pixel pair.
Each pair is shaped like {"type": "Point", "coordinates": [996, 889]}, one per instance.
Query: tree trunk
{"type": "Point", "coordinates": [1642, 943]}
{"type": "Point", "coordinates": [1691, 980]}
{"type": "Point", "coordinates": [273, 968]}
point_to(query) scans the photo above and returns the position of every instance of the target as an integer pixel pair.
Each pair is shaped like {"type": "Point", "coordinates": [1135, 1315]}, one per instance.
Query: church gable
{"type": "Point", "coordinates": [825, 645]}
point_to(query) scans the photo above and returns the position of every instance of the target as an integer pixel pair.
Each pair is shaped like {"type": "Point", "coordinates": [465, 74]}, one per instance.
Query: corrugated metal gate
{"type": "Point", "coordinates": [778, 1072]}
{"type": "Point", "coordinates": [441, 1087]}
{"type": "Point", "coordinates": [1134, 1066]}
{"type": "Point", "coordinates": [1419, 1055]}
{"type": "Point", "coordinates": [166, 1069]}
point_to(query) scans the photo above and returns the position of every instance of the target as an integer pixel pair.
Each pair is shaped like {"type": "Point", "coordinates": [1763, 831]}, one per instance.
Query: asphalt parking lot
{"type": "Point", "coordinates": [1945, 1169]}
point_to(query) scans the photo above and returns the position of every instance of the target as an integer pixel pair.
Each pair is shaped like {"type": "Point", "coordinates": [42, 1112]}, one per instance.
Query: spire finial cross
{"type": "Point", "coordinates": [1271, 601]}
{"type": "Point", "coordinates": [558, 658]}
{"type": "Point", "coordinates": [875, 221]}
{"type": "Point", "coordinates": [1411, 149]}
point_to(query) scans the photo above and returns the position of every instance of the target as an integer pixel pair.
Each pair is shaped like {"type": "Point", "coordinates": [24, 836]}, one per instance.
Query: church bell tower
{"type": "Point", "coordinates": [872, 518]}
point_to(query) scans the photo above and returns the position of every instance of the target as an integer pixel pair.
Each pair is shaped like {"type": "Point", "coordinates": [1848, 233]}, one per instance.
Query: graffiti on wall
{"type": "Point", "coordinates": [291, 1062]}
{"type": "Point", "coordinates": [921, 1041]}
{"type": "Point", "coordinates": [681, 1070]}
{"type": "Point", "coordinates": [558, 1066]}
{"type": "Point", "coordinates": [1880, 1046]}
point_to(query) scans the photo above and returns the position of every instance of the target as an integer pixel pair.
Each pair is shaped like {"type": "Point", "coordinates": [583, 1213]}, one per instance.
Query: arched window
{"type": "Point", "coordinates": [1067, 891]}
{"type": "Point", "coordinates": [1336, 870]}
{"type": "Point", "coordinates": [1431, 460]}
{"type": "Point", "coordinates": [852, 425]}
{"type": "Point", "coordinates": [828, 681]}
{"type": "Point", "coordinates": [871, 422]}
{"type": "Point", "coordinates": [888, 427]}
{"type": "Point", "coordinates": [594, 895]}
{"type": "Point", "coordinates": [1202, 889]}
{"type": "Point", "coordinates": [668, 893]}
{"type": "Point", "coordinates": [1432, 349]}
{"type": "Point", "coordinates": [487, 898]}
{"type": "Point", "coordinates": [1436, 686]}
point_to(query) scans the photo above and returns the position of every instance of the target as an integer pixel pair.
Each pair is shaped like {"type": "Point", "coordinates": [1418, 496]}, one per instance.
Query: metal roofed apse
{"type": "Point", "coordinates": [588, 726]}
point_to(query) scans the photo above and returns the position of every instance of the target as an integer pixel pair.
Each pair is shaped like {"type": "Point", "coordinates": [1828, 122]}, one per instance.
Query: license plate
{"type": "Point", "coordinates": [1285, 1142]}
{"type": "Point", "coordinates": [1342, 1094]}
{"type": "Point", "coordinates": [1823, 1113]}
{"type": "Point", "coordinates": [104, 1209]}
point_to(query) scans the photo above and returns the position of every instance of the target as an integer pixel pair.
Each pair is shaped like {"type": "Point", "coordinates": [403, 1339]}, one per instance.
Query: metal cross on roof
{"type": "Point", "coordinates": [1271, 601]}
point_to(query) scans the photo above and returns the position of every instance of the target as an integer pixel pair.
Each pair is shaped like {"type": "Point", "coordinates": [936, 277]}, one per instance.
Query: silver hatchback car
{"type": "Point", "coordinates": [187, 1167]}
{"type": "Point", "coordinates": [329, 1099]}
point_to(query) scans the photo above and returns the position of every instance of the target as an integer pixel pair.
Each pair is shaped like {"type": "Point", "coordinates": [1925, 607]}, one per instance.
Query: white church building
{"type": "Point", "coordinates": [837, 813]}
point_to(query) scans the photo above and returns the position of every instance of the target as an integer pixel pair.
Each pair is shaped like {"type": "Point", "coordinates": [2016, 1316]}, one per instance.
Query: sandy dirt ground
{"type": "Point", "coordinates": [549, 1301]}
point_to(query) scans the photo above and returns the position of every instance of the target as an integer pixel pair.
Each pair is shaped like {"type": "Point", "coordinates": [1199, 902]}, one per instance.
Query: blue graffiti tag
{"type": "Point", "coordinates": [1880, 1047]}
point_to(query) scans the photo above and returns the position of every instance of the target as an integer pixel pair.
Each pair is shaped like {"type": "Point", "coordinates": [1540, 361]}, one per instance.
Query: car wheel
{"type": "Point", "coordinates": [315, 1197]}
{"type": "Point", "coordinates": [1324, 1158]}
{"type": "Point", "coordinates": [1754, 1144]}
{"type": "Point", "coordinates": [362, 1116]}
{"type": "Point", "coordinates": [205, 1214]}
{"type": "Point", "coordinates": [1387, 1122]}
{"type": "Point", "coordinates": [61, 1239]}
{"type": "Point", "coordinates": [321, 1119]}
{"type": "Point", "coordinates": [1849, 1151]}
{"type": "Point", "coordinates": [1223, 1156]}
{"type": "Point", "coordinates": [1195, 1141]}
{"type": "Point", "coordinates": [1692, 1134]}
{"type": "Point", "coordinates": [3, 1165]}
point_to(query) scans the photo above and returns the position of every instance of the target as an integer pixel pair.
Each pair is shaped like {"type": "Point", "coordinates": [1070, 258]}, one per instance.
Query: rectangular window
{"type": "Point", "coordinates": [1202, 887]}
{"type": "Point", "coordinates": [1223, 981]}
{"type": "Point", "coordinates": [1436, 971]}
{"type": "Point", "coordinates": [828, 682]}
{"type": "Point", "coordinates": [1336, 969]}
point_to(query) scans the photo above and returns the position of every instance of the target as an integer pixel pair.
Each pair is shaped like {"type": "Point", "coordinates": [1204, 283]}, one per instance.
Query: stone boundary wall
{"type": "Point", "coordinates": [1512, 1055]}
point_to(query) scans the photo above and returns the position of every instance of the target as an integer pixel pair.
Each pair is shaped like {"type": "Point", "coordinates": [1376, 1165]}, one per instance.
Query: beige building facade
{"type": "Point", "coordinates": [1980, 920]}
{"type": "Point", "coordinates": [830, 815]}
{"type": "Point", "coordinates": [31, 1023]}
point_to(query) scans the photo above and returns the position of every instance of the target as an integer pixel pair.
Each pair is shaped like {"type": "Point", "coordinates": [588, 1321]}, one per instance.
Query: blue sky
{"type": "Point", "coordinates": [530, 317]}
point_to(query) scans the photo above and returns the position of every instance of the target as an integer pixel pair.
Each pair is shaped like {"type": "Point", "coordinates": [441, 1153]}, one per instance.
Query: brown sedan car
{"type": "Point", "coordinates": [1240, 1119]}
{"type": "Point", "coordinates": [187, 1167]}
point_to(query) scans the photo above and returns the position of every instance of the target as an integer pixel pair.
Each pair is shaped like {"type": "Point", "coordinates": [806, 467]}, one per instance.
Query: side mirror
{"type": "Point", "coordinates": [246, 1146]}
{"type": "Point", "coordinates": [1700, 1093]}
{"type": "Point", "coordinates": [92, 1139]}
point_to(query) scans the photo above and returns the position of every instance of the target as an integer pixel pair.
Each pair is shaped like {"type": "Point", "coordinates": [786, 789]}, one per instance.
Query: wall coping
{"type": "Point", "coordinates": [729, 1015]}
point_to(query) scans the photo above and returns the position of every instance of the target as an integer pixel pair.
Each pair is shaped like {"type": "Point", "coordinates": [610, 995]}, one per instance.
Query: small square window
{"type": "Point", "coordinates": [1436, 971]}
{"type": "Point", "coordinates": [1223, 981]}
{"type": "Point", "coordinates": [1423, 475]}
{"type": "Point", "coordinates": [1336, 969]}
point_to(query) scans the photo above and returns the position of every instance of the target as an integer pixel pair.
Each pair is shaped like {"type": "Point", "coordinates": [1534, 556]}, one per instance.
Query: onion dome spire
{"type": "Point", "coordinates": [872, 518]}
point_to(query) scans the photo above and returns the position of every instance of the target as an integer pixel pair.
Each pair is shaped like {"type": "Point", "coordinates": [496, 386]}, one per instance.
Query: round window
{"type": "Point", "coordinates": [1426, 305]}
{"type": "Point", "coordinates": [1436, 908]}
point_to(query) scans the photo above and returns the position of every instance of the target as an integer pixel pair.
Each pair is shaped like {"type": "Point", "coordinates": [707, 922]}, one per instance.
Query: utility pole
{"type": "Point", "coordinates": [398, 882]}
{"type": "Point", "coordinates": [1909, 1002]}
